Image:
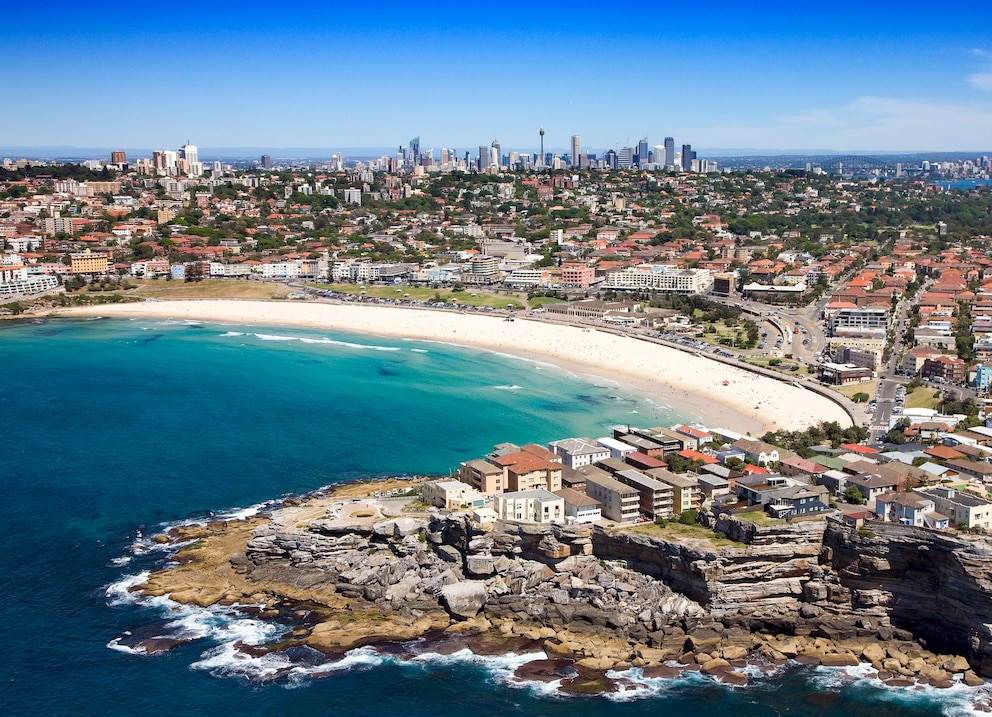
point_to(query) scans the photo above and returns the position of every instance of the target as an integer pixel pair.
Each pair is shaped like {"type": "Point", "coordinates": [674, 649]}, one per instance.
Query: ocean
{"type": "Point", "coordinates": [113, 430]}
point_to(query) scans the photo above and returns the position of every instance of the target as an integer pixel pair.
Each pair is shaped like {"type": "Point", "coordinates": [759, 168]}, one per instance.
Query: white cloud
{"type": "Point", "coordinates": [981, 80]}
{"type": "Point", "coordinates": [868, 123]}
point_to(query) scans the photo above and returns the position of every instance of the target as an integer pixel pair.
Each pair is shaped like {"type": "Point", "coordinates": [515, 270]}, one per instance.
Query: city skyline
{"type": "Point", "coordinates": [883, 77]}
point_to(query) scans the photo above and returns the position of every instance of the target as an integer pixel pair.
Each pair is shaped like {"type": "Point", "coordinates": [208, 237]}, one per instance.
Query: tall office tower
{"type": "Point", "coordinates": [415, 151]}
{"type": "Point", "coordinates": [687, 157]}
{"type": "Point", "coordinates": [625, 158]}
{"type": "Point", "coordinates": [158, 160]}
{"type": "Point", "coordinates": [642, 152]}
{"type": "Point", "coordinates": [610, 159]}
{"type": "Point", "coordinates": [266, 162]}
{"type": "Point", "coordinates": [669, 153]}
{"type": "Point", "coordinates": [445, 157]}
{"type": "Point", "coordinates": [216, 169]}
{"type": "Point", "coordinates": [576, 150]}
{"type": "Point", "coordinates": [499, 153]}
{"type": "Point", "coordinates": [540, 158]}
{"type": "Point", "coordinates": [190, 153]}
{"type": "Point", "coordinates": [118, 156]}
{"type": "Point", "coordinates": [169, 158]}
{"type": "Point", "coordinates": [483, 157]}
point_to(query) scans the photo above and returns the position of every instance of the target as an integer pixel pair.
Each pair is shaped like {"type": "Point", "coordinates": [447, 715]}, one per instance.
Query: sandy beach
{"type": "Point", "coordinates": [722, 395]}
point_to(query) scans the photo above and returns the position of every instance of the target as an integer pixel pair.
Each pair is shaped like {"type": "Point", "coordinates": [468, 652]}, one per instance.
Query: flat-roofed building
{"type": "Point", "coordinates": [656, 498]}
{"type": "Point", "coordinates": [686, 494]}
{"type": "Point", "coordinates": [536, 506]}
{"type": "Point", "coordinates": [644, 445]}
{"type": "Point", "coordinates": [618, 449]}
{"type": "Point", "coordinates": [619, 502]}
{"type": "Point", "coordinates": [483, 476]}
{"type": "Point", "coordinates": [451, 494]}
{"type": "Point", "coordinates": [961, 508]}
{"type": "Point", "coordinates": [89, 262]}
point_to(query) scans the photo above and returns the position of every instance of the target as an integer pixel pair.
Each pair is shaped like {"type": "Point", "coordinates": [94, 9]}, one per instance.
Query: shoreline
{"type": "Point", "coordinates": [330, 603]}
{"type": "Point", "coordinates": [747, 403]}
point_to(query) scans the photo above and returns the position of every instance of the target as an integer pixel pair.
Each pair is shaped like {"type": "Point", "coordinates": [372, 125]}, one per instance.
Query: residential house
{"type": "Point", "coordinates": [757, 451]}
{"type": "Point", "coordinates": [579, 506]}
{"type": "Point", "coordinates": [909, 509]}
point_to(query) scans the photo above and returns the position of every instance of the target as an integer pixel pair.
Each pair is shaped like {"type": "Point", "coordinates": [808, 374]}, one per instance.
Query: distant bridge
{"type": "Point", "coordinates": [857, 165]}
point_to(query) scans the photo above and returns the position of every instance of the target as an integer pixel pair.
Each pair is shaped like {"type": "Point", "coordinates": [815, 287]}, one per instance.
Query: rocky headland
{"type": "Point", "coordinates": [915, 604]}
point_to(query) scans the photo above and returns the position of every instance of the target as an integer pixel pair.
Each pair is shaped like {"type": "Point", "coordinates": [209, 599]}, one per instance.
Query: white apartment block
{"type": "Point", "coordinates": [660, 278]}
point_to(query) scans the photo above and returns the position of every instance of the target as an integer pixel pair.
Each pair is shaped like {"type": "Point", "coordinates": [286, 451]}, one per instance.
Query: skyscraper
{"type": "Point", "coordinates": [642, 152]}
{"type": "Point", "coordinates": [687, 157]}
{"type": "Point", "coordinates": [266, 162]}
{"type": "Point", "coordinates": [669, 153]}
{"type": "Point", "coordinates": [415, 151]}
{"type": "Point", "coordinates": [118, 156]}
{"type": "Point", "coordinates": [499, 153]}
{"type": "Point", "coordinates": [540, 159]}
{"type": "Point", "coordinates": [190, 153]}
{"type": "Point", "coordinates": [576, 150]}
{"type": "Point", "coordinates": [483, 157]}
{"type": "Point", "coordinates": [625, 157]}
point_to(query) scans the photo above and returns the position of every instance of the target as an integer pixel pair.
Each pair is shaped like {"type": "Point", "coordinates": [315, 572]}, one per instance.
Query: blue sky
{"type": "Point", "coordinates": [843, 76]}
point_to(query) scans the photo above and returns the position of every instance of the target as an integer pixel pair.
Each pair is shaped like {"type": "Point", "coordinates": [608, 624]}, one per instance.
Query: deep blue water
{"type": "Point", "coordinates": [963, 183]}
{"type": "Point", "coordinates": [111, 429]}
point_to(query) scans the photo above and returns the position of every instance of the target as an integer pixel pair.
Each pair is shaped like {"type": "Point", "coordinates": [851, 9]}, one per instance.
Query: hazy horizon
{"type": "Point", "coordinates": [863, 77]}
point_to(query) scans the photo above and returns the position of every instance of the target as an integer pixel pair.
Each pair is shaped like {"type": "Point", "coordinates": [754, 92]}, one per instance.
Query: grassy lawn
{"type": "Point", "coordinates": [922, 397]}
{"type": "Point", "coordinates": [543, 301]}
{"type": "Point", "coordinates": [206, 289]}
{"type": "Point", "coordinates": [678, 533]}
{"type": "Point", "coordinates": [418, 293]}
{"type": "Point", "coordinates": [758, 517]}
{"type": "Point", "coordinates": [868, 387]}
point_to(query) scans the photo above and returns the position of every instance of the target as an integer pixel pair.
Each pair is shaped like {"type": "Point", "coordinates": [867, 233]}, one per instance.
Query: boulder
{"type": "Point", "coordinates": [956, 664]}
{"type": "Point", "coordinates": [464, 600]}
{"type": "Point", "coordinates": [480, 564]}
{"type": "Point", "coordinates": [400, 528]}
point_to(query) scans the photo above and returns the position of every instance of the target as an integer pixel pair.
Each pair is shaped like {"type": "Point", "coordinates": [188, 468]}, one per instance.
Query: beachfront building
{"type": "Point", "coordinates": [758, 451]}
{"type": "Point", "coordinates": [536, 506]}
{"type": "Point", "coordinates": [619, 502]}
{"type": "Point", "coordinates": [663, 278]}
{"type": "Point", "coordinates": [686, 494]}
{"type": "Point", "coordinates": [451, 494]}
{"type": "Point", "coordinates": [484, 476]}
{"type": "Point", "coordinates": [579, 507]}
{"type": "Point", "coordinates": [89, 262]}
{"type": "Point", "coordinates": [655, 497]}
{"type": "Point", "coordinates": [617, 449]}
{"type": "Point", "coordinates": [523, 471]}
{"type": "Point", "coordinates": [578, 452]}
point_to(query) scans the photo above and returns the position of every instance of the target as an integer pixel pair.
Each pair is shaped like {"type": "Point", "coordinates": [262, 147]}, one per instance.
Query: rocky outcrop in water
{"type": "Point", "coordinates": [813, 591]}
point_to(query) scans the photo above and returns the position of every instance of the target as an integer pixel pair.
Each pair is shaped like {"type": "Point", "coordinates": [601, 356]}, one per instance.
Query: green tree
{"type": "Point", "coordinates": [853, 495]}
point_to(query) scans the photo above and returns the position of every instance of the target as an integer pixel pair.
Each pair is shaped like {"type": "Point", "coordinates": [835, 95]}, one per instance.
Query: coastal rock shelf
{"type": "Point", "coordinates": [914, 604]}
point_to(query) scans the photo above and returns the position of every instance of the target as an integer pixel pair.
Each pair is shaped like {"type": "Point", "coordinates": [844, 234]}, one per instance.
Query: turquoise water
{"type": "Point", "coordinates": [111, 429]}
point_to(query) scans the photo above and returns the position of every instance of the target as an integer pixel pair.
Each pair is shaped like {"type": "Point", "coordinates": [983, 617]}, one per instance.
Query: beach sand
{"type": "Point", "coordinates": [722, 396]}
